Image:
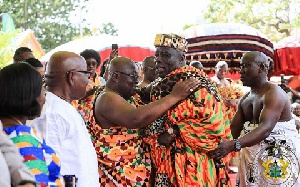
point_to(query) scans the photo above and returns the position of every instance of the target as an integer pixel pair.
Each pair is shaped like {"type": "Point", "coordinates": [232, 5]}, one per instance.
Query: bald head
{"type": "Point", "coordinates": [123, 77]}
{"type": "Point", "coordinates": [148, 61]}
{"type": "Point", "coordinates": [121, 64]}
{"type": "Point", "coordinates": [258, 57]}
{"type": "Point", "coordinates": [66, 75]}
{"type": "Point", "coordinates": [59, 63]}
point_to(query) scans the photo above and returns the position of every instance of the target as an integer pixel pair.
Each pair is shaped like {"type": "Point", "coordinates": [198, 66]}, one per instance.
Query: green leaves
{"type": "Point", "coordinates": [277, 19]}
{"type": "Point", "coordinates": [50, 20]}
{"type": "Point", "coordinates": [7, 48]}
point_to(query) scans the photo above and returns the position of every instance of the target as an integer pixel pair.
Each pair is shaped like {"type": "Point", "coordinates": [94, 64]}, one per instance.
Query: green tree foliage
{"type": "Point", "coordinates": [7, 48]}
{"type": "Point", "coordinates": [186, 26]}
{"type": "Point", "coordinates": [275, 18]}
{"type": "Point", "coordinates": [50, 20]}
{"type": "Point", "coordinates": [109, 28]}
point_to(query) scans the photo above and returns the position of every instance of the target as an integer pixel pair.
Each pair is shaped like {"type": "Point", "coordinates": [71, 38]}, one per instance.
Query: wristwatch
{"type": "Point", "coordinates": [171, 132]}
{"type": "Point", "coordinates": [237, 145]}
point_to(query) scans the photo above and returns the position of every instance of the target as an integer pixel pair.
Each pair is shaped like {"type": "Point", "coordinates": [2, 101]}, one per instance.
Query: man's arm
{"type": "Point", "coordinates": [114, 53]}
{"type": "Point", "coordinates": [273, 105]}
{"type": "Point", "coordinates": [118, 111]}
{"type": "Point", "coordinates": [238, 120]}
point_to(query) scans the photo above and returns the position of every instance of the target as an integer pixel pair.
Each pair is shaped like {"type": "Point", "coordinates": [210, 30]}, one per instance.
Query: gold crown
{"type": "Point", "coordinates": [171, 40]}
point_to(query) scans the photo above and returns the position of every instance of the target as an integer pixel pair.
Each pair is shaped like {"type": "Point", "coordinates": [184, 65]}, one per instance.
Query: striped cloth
{"type": "Point", "coordinates": [203, 124]}
{"type": "Point", "coordinates": [38, 157]}
{"type": "Point", "coordinates": [228, 47]}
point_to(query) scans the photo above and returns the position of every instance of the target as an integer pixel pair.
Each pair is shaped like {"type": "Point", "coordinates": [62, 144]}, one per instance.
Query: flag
{"type": "Point", "coordinates": [7, 23]}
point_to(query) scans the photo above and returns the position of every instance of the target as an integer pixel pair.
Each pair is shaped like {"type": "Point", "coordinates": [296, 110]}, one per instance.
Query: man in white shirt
{"type": "Point", "coordinates": [62, 126]}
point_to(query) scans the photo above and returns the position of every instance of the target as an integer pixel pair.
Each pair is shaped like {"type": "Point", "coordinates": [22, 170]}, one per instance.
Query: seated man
{"type": "Point", "coordinates": [263, 129]}
{"type": "Point", "coordinates": [114, 124]}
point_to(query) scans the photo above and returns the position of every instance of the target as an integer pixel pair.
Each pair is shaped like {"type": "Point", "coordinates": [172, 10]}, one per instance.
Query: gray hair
{"type": "Point", "coordinates": [295, 105]}
{"type": "Point", "coordinates": [221, 64]}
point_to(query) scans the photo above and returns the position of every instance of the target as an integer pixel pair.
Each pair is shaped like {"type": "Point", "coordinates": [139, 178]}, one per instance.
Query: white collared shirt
{"type": "Point", "coordinates": [64, 130]}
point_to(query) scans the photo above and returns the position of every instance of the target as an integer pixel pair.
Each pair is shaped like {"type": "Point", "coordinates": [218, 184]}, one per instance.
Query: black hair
{"type": "Point", "coordinates": [20, 51]}
{"type": "Point", "coordinates": [196, 64]}
{"type": "Point", "coordinates": [20, 85]}
{"type": "Point", "coordinates": [147, 60]}
{"type": "Point", "coordinates": [34, 62]}
{"type": "Point", "coordinates": [103, 67]}
{"type": "Point", "coordinates": [91, 53]}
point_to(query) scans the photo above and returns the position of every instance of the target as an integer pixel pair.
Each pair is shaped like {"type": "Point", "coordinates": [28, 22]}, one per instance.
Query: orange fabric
{"type": "Point", "coordinates": [203, 124]}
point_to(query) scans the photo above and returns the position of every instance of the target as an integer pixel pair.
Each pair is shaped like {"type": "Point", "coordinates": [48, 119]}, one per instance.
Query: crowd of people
{"type": "Point", "coordinates": [66, 125]}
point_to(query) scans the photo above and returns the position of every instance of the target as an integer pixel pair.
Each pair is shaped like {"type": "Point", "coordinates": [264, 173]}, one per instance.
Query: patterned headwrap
{"type": "Point", "coordinates": [171, 40]}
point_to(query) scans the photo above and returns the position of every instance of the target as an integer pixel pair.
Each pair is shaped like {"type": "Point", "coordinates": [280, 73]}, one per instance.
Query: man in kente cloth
{"type": "Point", "coordinates": [180, 139]}
{"type": "Point", "coordinates": [123, 159]}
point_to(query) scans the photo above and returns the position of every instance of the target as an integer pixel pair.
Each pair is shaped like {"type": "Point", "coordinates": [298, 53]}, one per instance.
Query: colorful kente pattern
{"type": "Point", "coordinates": [84, 106]}
{"type": "Point", "coordinates": [123, 157]}
{"type": "Point", "coordinates": [38, 157]}
{"type": "Point", "coordinates": [202, 122]}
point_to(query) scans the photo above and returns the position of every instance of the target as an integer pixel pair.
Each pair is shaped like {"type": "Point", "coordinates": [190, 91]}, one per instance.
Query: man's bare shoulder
{"type": "Point", "coordinates": [276, 95]}
{"type": "Point", "coordinates": [108, 97]}
{"type": "Point", "coordinates": [276, 90]}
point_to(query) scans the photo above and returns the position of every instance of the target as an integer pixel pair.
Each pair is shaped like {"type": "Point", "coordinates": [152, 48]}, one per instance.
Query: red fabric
{"type": "Point", "coordinates": [287, 61]}
{"type": "Point", "coordinates": [137, 54]}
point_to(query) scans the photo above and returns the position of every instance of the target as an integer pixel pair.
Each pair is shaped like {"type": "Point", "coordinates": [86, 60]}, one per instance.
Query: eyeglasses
{"type": "Point", "coordinates": [87, 73]}
{"type": "Point", "coordinates": [132, 76]}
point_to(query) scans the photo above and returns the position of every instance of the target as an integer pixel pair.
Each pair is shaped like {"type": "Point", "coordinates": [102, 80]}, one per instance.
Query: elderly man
{"type": "Point", "coordinates": [149, 71]}
{"type": "Point", "coordinates": [263, 129]}
{"type": "Point", "coordinates": [180, 138]}
{"type": "Point", "coordinates": [221, 71]}
{"type": "Point", "coordinates": [62, 126]}
{"type": "Point", "coordinates": [197, 64]}
{"type": "Point", "coordinates": [115, 122]}
{"type": "Point", "coordinates": [85, 104]}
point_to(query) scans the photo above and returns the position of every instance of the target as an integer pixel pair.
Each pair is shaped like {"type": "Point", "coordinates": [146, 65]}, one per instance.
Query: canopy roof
{"type": "Point", "coordinates": [290, 41]}
{"type": "Point", "coordinates": [210, 43]}
{"type": "Point", "coordinates": [134, 48]}
{"type": "Point", "coordinates": [287, 58]}
{"type": "Point", "coordinates": [213, 29]}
